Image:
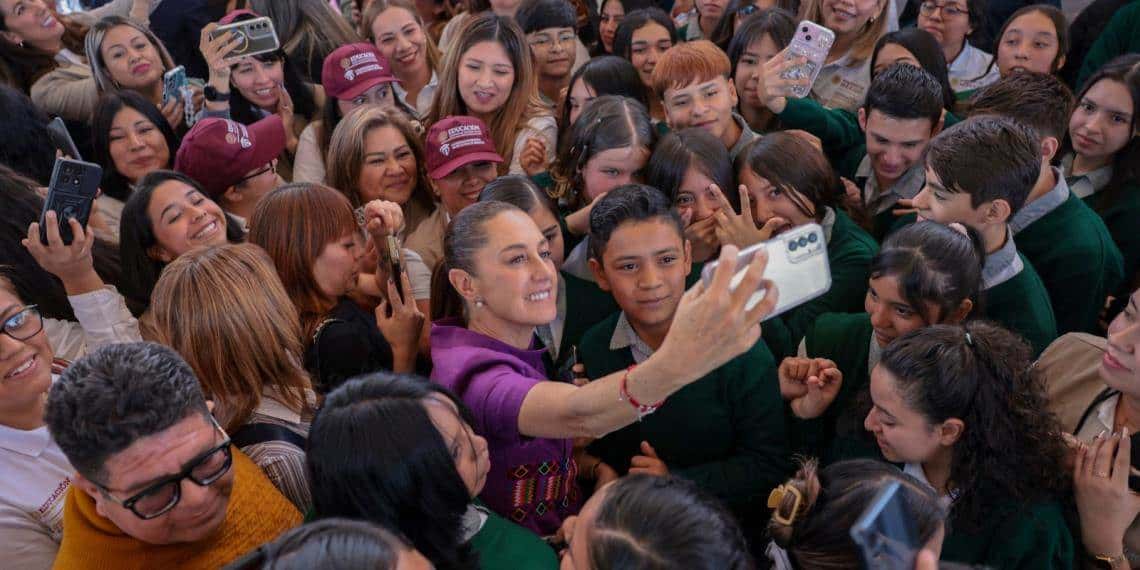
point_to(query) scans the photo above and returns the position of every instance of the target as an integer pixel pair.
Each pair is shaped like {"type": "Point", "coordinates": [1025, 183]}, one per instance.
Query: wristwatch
{"type": "Point", "coordinates": [213, 95]}
{"type": "Point", "coordinates": [1109, 562]}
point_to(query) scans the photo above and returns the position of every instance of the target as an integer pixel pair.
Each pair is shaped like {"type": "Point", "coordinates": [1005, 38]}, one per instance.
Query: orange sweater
{"type": "Point", "coordinates": [257, 513]}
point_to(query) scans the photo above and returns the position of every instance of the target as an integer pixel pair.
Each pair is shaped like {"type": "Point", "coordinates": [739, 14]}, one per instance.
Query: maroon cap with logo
{"type": "Point", "coordinates": [353, 69]}
{"type": "Point", "coordinates": [453, 142]}
{"type": "Point", "coordinates": [233, 15]}
{"type": "Point", "coordinates": [218, 153]}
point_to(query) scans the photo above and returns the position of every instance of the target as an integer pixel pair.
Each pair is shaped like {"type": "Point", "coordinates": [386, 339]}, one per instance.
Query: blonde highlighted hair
{"type": "Point", "coordinates": [225, 311]}
{"type": "Point", "coordinates": [864, 44]}
{"type": "Point", "coordinates": [377, 7]}
{"type": "Point", "coordinates": [523, 103]}
{"type": "Point", "coordinates": [93, 44]}
{"type": "Point", "coordinates": [345, 159]}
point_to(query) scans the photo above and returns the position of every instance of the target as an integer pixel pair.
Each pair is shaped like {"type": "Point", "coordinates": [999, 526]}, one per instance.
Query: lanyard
{"type": "Point", "coordinates": [1100, 398]}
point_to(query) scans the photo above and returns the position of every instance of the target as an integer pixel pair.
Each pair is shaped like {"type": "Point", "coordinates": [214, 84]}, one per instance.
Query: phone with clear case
{"type": "Point", "coordinates": [257, 36]}
{"type": "Point", "coordinates": [813, 42]}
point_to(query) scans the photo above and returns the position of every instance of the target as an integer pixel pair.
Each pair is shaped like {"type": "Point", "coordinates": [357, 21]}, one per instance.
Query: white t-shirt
{"type": "Point", "coordinates": [35, 482]}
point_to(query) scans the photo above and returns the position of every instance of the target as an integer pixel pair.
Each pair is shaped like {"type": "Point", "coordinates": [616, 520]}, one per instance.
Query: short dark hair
{"type": "Point", "coordinates": [693, 147]}
{"type": "Point", "coordinates": [375, 454]}
{"type": "Point", "coordinates": [114, 184]}
{"type": "Point", "coordinates": [536, 15]}
{"type": "Point", "coordinates": [636, 20]}
{"type": "Point", "coordinates": [117, 395]}
{"type": "Point", "coordinates": [628, 203]}
{"type": "Point", "coordinates": [333, 544]}
{"type": "Point", "coordinates": [926, 50]}
{"type": "Point", "coordinates": [646, 521]}
{"type": "Point", "coordinates": [776, 23]}
{"type": "Point", "coordinates": [904, 91]}
{"type": "Point", "coordinates": [988, 157]}
{"type": "Point", "coordinates": [137, 237]}
{"type": "Point", "coordinates": [1038, 100]}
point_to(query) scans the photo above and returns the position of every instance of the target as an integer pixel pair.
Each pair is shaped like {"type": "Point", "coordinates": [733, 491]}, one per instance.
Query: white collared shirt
{"type": "Point", "coordinates": [843, 84]}
{"type": "Point", "coordinates": [36, 478]}
{"type": "Point", "coordinates": [968, 70]}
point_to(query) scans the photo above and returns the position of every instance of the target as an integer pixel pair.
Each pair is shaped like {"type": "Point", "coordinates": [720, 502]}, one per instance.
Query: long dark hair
{"type": "Point", "coordinates": [114, 184]}
{"type": "Point", "coordinates": [636, 20]}
{"type": "Point", "coordinates": [726, 30]}
{"type": "Point", "coordinates": [776, 23]}
{"type": "Point", "coordinates": [982, 374]}
{"type": "Point", "coordinates": [926, 50]}
{"type": "Point", "coordinates": [304, 101]}
{"type": "Point", "coordinates": [330, 544]}
{"type": "Point", "coordinates": [833, 499]}
{"type": "Point", "coordinates": [137, 238]}
{"type": "Point", "coordinates": [628, 6]}
{"type": "Point", "coordinates": [606, 75]}
{"type": "Point", "coordinates": [695, 147]}
{"type": "Point", "coordinates": [22, 206]}
{"type": "Point", "coordinates": [646, 521]}
{"type": "Point", "coordinates": [790, 162]}
{"type": "Point", "coordinates": [466, 234]}
{"type": "Point", "coordinates": [375, 454]}
{"type": "Point", "coordinates": [27, 147]}
{"type": "Point", "coordinates": [1126, 163]}
{"type": "Point", "coordinates": [934, 264]}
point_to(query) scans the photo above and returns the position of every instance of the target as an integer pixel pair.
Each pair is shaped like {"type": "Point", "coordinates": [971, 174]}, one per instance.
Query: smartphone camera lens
{"type": "Point", "coordinates": [808, 38]}
{"type": "Point", "coordinates": [804, 29]}
{"type": "Point", "coordinates": [75, 181]}
{"type": "Point", "coordinates": [792, 245]}
{"type": "Point", "coordinates": [813, 238]}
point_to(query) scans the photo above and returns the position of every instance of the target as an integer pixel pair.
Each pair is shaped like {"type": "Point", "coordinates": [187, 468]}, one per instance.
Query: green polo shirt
{"type": "Point", "coordinates": [725, 431]}
{"type": "Point", "coordinates": [1073, 253]}
{"type": "Point", "coordinates": [504, 545]}
{"type": "Point", "coordinates": [1014, 537]}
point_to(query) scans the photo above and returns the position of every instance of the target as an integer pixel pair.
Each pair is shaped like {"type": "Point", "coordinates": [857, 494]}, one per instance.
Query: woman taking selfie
{"type": "Point", "coordinates": [223, 309]}
{"type": "Point", "coordinates": [312, 236]}
{"type": "Point", "coordinates": [399, 451]}
{"type": "Point", "coordinates": [126, 56]}
{"type": "Point", "coordinates": [498, 264]}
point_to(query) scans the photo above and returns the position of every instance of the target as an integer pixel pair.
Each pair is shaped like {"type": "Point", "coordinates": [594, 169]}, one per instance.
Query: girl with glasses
{"type": "Point", "coordinates": [954, 23]}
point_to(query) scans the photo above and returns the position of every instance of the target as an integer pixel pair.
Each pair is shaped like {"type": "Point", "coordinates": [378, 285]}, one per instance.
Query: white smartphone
{"type": "Point", "coordinates": [814, 42]}
{"type": "Point", "coordinates": [797, 264]}
{"type": "Point", "coordinates": [257, 37]}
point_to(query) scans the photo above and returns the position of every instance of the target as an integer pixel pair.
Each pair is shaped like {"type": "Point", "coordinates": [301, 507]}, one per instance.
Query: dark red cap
{"type": "Point", "coordinates": [353, 69]}
{"type": "Point", "coordinates": [457, 141]}
{"type": "Point", "coordinates": [218, 153]}
{"type": "Point", "coordinates": [234, 14]}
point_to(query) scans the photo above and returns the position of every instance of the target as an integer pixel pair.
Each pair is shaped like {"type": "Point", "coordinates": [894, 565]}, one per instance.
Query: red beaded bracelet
{"type": "Point", "coordinates": [623, 394]}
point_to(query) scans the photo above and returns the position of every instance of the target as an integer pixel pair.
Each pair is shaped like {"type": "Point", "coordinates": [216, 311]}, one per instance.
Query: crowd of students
{"type": "Point", "coordinates": [422, 287]}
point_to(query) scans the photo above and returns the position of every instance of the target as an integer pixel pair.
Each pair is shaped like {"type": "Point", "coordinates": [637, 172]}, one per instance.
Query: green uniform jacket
{"type": "Point", "coordinates": [849, 253]}
{"type": "Point", "coordinates": [1077, 261]}
{"type": "Point", "coordinates": [844, 143]}
{"type": "Point", "coordinates": [1029, 537]}
{"type": "Point", "coordinates": [504, 545]}
{"type": "Point", "coordinates": [1022, 305]}
{"type": "Point", "coordinates": [1120, 36]}
{"type": "Point", "coordinates": [725, 431]}
{"type": "Point", "coordinates": [586, 305]}
{"type": "Point", "coordinates": [1122, 218]}
{"type": "Point", "coordinates": [844, 338]}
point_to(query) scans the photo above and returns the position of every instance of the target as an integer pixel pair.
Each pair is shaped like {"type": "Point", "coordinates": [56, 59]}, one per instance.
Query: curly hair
{"type": "Point", "coordinates": [982, 374]}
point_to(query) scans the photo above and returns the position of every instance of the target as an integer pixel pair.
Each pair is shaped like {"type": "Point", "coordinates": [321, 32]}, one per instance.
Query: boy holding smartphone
{"type": "Point", "coordinates": [693, 82]}
{"type": "Point", "coordinates": [726, 431]}
{"type": "Point", "coordinates": [979, 173]}
{"type": "Point", "coordinates": [1067, 242]}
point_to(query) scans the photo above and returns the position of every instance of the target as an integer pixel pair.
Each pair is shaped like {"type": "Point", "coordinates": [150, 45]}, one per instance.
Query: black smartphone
{"type": "Point", "coordinates": [1133, 479]}
{"type": "Point", "coordinates": [71, 194]}
{"type": "Point", "coordinates": [396, 264]}
{"type": "Point", "coordinates": [885, 532]}
{"type": "Point", "coordinates": [61, 139]}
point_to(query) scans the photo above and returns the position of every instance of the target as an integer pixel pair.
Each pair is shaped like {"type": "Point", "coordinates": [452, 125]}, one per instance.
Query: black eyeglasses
{"type": "Point", "coordinates": [24, 324]}
{"type": "Point", "coordinates": [271, 166]}
{"type": "Point", "coordinates": [159, 498]}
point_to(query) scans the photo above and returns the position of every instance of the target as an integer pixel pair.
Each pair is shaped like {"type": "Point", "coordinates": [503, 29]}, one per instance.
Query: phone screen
{"type": "Point", "coordinates": [885, 532]}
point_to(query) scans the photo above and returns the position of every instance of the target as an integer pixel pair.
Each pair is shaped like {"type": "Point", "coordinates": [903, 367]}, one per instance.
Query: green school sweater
{"type": "Point", "coordinates": [844, 338]}
{"type": "Point", "coordinates": [586, 305]}
{"type": "Point", "coordinates": [504, 545]}
{"type": "Point", "coordinates": [725, 431]}
{"type": "Point", "coordinates": [849, 253]}
{"type": "Point", "coordinates": [1074, 255]}
{"type": "Point", "coordinates": [1022, 305]}
{"type": "Point", "coordinates": [1121, 214]}
{"type": "Point", "coordinates": [1120, 36]}
{"type": "Point", "coordinates": [1014, 537]}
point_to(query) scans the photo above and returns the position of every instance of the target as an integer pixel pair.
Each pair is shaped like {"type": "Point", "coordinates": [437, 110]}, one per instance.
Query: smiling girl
{"type": "Point", "coordinates": [396, 28]}
{"type": "Point", "coordinates": [758, 40]}
{"type": "Point", "coordinates": [489, 74]}
{"type": "Point", "coordinates": [858, 24]}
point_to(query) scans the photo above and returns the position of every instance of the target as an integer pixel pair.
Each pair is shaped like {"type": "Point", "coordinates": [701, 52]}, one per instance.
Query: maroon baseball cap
{"type": "Point", "coordinates": [234, 14]}
{"type": "Point", "coordinates": [353, 69]}
{"type": "Point", "coordinates": [453, 142]}
{"type": "Point", "coordinates": [218, 153]}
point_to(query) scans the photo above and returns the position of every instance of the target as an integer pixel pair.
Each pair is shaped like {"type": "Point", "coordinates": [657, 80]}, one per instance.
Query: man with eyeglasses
{"type": "Point", "coordinates": [158, 483]}
{"type": "Point", "coordinates": [953, 23]}
{"type": "Point", "coordinates": [236, 164]}
{"type": "Point", "coordinates": [550, 33]}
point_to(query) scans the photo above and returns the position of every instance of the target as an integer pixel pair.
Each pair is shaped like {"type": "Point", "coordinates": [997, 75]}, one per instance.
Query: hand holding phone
{"type": "Point", "coordinates": [811, 42]}
{"type": "Point", "coordinates": [173, 84]}
{"type": "Point", "coordinates": [71, 194]}
{"type": "Point", "coordinates": [885, 532]}
{"type": "Point", "coordinates": [61, 139]}
{"type": "Point", "coordinates": [252, 37]}
{"type": "Point", "coordinates": [797, 264]}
